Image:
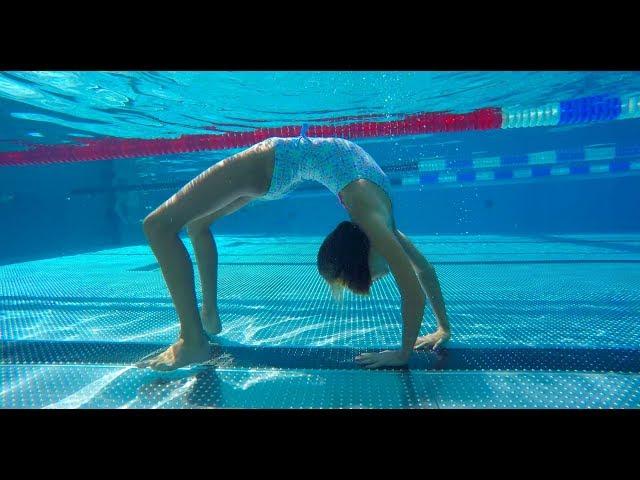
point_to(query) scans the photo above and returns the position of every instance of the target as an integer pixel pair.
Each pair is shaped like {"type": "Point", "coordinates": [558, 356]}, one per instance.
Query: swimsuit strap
{"type": "Point", "coordinates": [303, 133]}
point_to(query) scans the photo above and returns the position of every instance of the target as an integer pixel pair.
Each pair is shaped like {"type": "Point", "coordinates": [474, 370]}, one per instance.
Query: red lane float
{"type": "Point", "coordinates": [116, 148]}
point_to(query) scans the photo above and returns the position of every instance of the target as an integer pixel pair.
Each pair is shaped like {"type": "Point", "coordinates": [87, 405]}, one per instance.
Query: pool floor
{"type": "Point", "coordinates": [545, 321]}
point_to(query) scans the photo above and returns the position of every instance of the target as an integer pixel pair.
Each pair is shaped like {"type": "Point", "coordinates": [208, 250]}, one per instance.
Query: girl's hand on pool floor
{"type": "Point", "coordinates": [433, 340]}
{"type": "Point", "coordinates": [388, 358]}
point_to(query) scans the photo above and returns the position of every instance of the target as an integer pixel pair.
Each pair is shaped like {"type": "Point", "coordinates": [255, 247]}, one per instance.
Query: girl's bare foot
{"type": "Point", "coordinates": [178, 355]}
{"type": "Point", "coordinates": [210, 321]}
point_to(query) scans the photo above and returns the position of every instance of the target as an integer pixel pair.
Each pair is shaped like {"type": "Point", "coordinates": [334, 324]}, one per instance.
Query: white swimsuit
{"type": "Point", "coordinates": [333, 162]}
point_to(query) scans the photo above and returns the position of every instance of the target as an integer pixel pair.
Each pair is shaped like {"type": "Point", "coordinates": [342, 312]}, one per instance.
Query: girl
{"type": "Point", "coordinates": [354, 255]}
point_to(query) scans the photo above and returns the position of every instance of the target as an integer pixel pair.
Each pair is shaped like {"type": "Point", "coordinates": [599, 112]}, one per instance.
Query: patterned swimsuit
{"type": "Point", "coordinates": [333, 162]}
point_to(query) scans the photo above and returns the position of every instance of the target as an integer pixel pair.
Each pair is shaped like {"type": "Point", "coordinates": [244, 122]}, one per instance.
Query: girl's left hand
{"type": "Point", "coordinates": [434, 340]}
{"type": "Point", "coordinates": [388, 358]}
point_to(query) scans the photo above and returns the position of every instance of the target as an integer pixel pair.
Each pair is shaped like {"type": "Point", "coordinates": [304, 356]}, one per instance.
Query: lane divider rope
{"type": "Point", "coordinates": [598, 108]}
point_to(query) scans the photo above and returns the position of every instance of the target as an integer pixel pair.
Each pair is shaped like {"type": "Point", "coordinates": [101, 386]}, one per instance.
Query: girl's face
{"type": "Point", "coordinates": [337, 290]}
{"type": "Point", "coordinates": [378, 266]}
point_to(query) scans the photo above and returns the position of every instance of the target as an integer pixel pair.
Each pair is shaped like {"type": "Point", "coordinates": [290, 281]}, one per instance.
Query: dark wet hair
{"type": "Point", "coordinates": [344, 258]}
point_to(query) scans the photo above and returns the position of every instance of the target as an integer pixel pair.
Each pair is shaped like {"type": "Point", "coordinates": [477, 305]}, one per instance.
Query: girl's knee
{"type": "Point", "coordinates": [197, 228]}
{"type": "Point", "coordinates": [157, 222]}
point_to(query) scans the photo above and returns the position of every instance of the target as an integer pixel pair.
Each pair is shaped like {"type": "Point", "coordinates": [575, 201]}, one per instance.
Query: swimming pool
{"type": "Point", "coordinates": [521, 197]}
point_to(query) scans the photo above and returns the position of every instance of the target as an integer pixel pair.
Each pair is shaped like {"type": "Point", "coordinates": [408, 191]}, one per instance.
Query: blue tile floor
{"type": "Point", "coordinates": [538, 321]}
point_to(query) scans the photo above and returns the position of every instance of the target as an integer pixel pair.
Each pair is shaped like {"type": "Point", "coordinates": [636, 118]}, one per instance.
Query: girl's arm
{"type": "Point", "coordinates": [429, 281]}
{"type": "Point", "coordinates": [384, 240]}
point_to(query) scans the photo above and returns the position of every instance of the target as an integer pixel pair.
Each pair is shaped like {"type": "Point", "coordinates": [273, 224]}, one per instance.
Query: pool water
{"type": "Point", "coordinates": [539, 272]}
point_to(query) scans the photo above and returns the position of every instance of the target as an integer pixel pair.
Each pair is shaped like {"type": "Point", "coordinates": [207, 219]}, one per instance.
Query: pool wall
{"type": "Point", "coordinates": [41, 225]}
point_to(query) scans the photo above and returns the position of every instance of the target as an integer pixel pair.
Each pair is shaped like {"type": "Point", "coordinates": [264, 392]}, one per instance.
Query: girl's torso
{"type": "Point", "coordinates": [333, 162]}
{"type": "Point", "coordinates": [340, 165]}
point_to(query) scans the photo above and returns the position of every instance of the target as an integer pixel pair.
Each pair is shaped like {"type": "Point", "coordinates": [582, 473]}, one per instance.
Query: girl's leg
{"type": "Point", "coordinates": [240, 175]}
{"type": "Point", "coordinates": [206, 252]}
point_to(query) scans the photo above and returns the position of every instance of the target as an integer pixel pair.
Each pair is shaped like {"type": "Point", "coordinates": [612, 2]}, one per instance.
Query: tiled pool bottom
{"type": "Point", "coordinates": [82, 386]}
{"type": "Point", "coordinates": [538, 322]}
